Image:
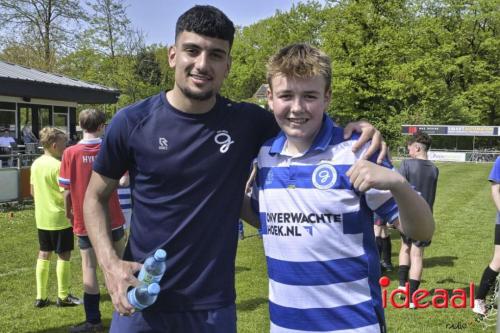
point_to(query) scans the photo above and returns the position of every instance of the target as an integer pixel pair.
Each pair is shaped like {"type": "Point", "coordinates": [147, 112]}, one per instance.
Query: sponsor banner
{"type": "Point", "coordinates": [446, 156]}
{"type": "Point", "coordinates": [429, 129]}
{"type": "Point", "coordinates": [452, 130]}
{"type": "Point", "coordinates": [472, 130]}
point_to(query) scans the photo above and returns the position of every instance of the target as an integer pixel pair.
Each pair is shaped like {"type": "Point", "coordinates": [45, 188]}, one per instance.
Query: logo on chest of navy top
{"type": "Point", "coordinates": [324, 176]}
{"type": "Point", "coordinates": [223, 139]}
{"type": "Point", "coordinates": [162, 144]}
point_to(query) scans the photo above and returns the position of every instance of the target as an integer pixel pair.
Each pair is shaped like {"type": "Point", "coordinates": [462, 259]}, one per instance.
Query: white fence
{"type": "Point", "coordinates": [15, 176]}
{"type": "Point", "coordinates": [475, 156]}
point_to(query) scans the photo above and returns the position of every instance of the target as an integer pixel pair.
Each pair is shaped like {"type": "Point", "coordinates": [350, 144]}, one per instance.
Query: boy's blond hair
{"type": "Point", "coordinates": [300, 61]}
{"type": "Point", "coordinates": [49, 135]}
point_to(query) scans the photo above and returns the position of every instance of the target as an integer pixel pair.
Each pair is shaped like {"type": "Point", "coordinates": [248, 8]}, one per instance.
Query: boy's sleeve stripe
{"type": "Point", "coordinates": [64, 181]}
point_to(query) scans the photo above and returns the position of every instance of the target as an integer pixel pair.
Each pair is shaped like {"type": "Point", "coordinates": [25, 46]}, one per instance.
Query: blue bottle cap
{"type": "Point", "coordinates": [160, 255]}
{"type": "Point", "coordinates": [154, 289]}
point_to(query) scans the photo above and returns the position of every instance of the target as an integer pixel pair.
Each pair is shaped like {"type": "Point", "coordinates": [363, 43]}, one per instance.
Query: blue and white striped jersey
{"type": "Point", "coordinates": [322, 260]}
{"type": "Point", "coordinates": [125, 198]}
{"type": "Point", "coordinates": [495, 178]}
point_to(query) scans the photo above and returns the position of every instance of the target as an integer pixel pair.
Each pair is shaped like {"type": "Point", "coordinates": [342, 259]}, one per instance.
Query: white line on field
{"type": "Point", "coordinates": [15, 271]}
{"type": "Point", "coordinates": [23, 269]}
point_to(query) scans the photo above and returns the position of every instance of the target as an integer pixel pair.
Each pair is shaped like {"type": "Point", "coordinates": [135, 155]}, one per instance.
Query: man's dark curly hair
{"type": "Point", "coordinates": [207, 21]}
{"type": "Point", "coordinates": [422, 138]}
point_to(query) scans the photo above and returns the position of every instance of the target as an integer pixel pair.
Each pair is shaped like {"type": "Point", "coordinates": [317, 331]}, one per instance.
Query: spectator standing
{"type": "Point", "coordinates": [422, 174]}
{"type": "Point", "coordinates": [74, 178]}
{"type": "Point", "coordinates": [54, 230]}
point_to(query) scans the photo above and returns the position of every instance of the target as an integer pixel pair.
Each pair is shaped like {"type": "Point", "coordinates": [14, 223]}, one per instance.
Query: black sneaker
{"type": "Point", "coordinates": [387, 266]}
{"type": "Point", "coordinates": [69, 300]}
{"type": "Point", "coordinates": [87, 327]}
{"type": "Point", "coordinates": [41, 303]}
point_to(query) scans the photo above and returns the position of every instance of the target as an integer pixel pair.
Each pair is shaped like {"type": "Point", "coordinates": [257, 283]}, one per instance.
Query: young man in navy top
{"type": "Point", "coordinates": [188, 153]}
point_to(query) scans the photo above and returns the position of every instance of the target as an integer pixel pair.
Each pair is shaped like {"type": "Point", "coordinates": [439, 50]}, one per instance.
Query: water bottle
{"type": "Point", "coordinates": [143, 296]}
{"type": "Point", "coordinates": [153, 268]}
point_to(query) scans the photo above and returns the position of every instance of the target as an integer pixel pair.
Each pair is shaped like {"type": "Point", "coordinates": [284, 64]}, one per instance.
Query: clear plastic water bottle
{"type": "Point", "coordinates": [143, 296]}
{"type": "Point", "coordinates": [153, 268]}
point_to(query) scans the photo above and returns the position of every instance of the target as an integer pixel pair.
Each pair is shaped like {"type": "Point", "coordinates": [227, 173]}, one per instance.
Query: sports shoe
{"type": "Point", "coordinates": [87, 327]}
{"type": "Point", "coordinates": [387, 266]}
{"type": "Point", "coordinates": [479, 307]}
{"type": "Point", "coordinates": [402, 296]}
{"type": "Point", "coordinates": [41, 303]}
{"type": "Point", "coordinates": [69, 300]}
{"type": "Point", "coordinates": [412, 306]}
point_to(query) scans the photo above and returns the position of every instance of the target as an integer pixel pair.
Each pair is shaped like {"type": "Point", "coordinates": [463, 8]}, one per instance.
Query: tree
{"type": "Point", "coordinates": [366, 40]}
{"type": "Point", "coordinates": [41, 24]}
{"type": "Point", "coordinates": [25, 54]}
{"type": "Point", "coordinates": [253, 45]}
{"type": "Point", "coordinates": [168, 73]}
{"type": "Point", "coordinates": [109, 25]}
{"type": "Point", "coordinates": [147, 69]}
{"type": "Point", "coordinates": [116, 47]}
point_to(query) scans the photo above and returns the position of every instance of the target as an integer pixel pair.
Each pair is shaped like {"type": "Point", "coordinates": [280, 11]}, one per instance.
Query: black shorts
{"type": "Point", "coordinates": [84, 241]}
{"type": "Point", "coordinates": [58, 241]}
{"type": "Point", "coordinates": [497, 234]}
{"type": "Point", "coordinates": [417, 243]}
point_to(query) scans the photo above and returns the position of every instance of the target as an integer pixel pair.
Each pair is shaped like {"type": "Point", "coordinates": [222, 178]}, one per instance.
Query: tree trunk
{"type": "Point", "coordinates": [46, 37]}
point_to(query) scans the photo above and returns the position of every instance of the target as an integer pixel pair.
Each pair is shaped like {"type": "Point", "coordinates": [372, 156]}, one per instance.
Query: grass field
{"type": "Point", "coordinates": [461, 249]}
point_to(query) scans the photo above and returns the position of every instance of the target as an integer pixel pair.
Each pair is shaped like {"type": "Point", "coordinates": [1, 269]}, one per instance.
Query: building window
{"type": "Point", "coordinates": [8, 121]}
{"type": "Point", "coordinates": [61, 121]}
{"type": "Point", "coordinates": [44, 116]}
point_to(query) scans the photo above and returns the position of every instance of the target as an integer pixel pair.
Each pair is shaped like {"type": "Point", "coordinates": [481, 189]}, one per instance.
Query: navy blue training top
{"type": "Point", "coordinates": [188, 175]}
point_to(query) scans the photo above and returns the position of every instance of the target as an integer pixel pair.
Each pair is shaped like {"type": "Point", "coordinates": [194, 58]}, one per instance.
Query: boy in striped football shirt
{"type": "Point", "coordinates": [316, 200]}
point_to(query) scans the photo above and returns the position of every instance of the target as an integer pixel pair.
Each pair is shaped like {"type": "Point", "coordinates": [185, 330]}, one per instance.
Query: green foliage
{"type": "Point", "coordinates": [29, 55]}
{"type": "Point", "coordinates": [147, 69]}
{"type": "Point", "coordinates": [167, 79]}
{"type": "Point", "coordinates": [253, 45]}
{"type": "Point", "coordinates": [109, 25]}
{"type": "Point", "coordinates": [44, 26]}
{"type": "Point", "coordinates": [136, 76]}
{"type": "Point", "coordinates": [394, 62]}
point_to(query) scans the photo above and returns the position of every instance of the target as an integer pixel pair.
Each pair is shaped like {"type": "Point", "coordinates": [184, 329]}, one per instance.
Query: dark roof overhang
{"type": "Point", "coordinates": [36, 89]}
